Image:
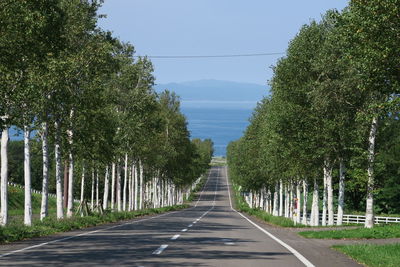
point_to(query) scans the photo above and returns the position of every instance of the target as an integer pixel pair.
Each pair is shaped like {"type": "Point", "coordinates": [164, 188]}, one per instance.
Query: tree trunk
{"type": "Point", "coordinates": [92, 193]}
{"type": "Point", "coordinates": [135, 198]}
{"type": "Point", "coordinates": [106, 189]}
{"type": "Point", "coordinates": [315, 208]}
{"type": "Point", "coordinates": [83, 183]}
{"type": "Point", "coordinates": [113, 186]}
{"type": "Point", "coordinates": [342, 171]}
{"type": "Point", "coordinates": [328, 174]}
{"type": "Point", "coordinates": [131, 188]}
{"type": "Point", "coordinates": [141, 186]}
{"type": "Point", "coordinates": [70, 206]}
{"type": "Point", "coordinates": [57, 152]}
{"type": "Point", "coordinates": [286, 201]}
{"type": "Point", "coordinates": [4, 176]}
{"type": "Point", "coordinates": [118, 182]}
{"type": "Point", "coordinates": [27, 178]}
{"type": "Point", "coordinates": [305, 198]}
{"type": "Point", "coordinates": [126, 175]}
{"type": "Point", "coordinates": [45, 185]}
{"type": "Point", "coordinates": [324, 199]}
{"type": "Point", "coordinates": [280, 198]}
{"type": "Point", "coordinates": [276, 208]}
{"type": "Point", "coordinates": [298, 203]}
{"type": "Point", "coordinates": [65, 184]}
{"type": "Point", "coordinates": [97, 188]}
{"type": "Point", "coordinates": [369, 213]}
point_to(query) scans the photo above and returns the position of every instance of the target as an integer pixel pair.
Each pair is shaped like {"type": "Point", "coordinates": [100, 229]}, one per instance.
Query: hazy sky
{"type": "Point", "coordinates": [211, 27]}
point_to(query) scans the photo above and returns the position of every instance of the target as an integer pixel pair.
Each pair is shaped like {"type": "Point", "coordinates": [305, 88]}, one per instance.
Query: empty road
{"type": "Point", "coordinates": [210, 233]}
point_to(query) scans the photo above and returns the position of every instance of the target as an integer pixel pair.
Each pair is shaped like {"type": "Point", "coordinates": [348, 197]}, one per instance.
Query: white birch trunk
{"type": "Point", "coordinates": [97, 188]}
{"type": "Point", "coordinates": [315, 207]}
{"type": "Point", "coordinates": [298, 203]}
{"type": "Point", "coordinates": [305, 198]}
{"type": "Point", "coordinates": [131, 188]}
{"type": "Point", "coordinates": [92, 193]}
{"type": "Point", "coordinates": [45, 183]}
{"type": "Point", "coordinates": [342, 171]}
{"type": "Point", "coordinates": [324, 199]}
{"type": "Point", "coordinates": [70, 205]}
{"type": "Point", "coordinates": [106, 189]}
{"type": "Point", "coordinates": [369, 213]}
{"type": "Point", "coordinates": [280, 198]}
{"type": "Point", "coordinates": [57, 152]}
{"type": "Point", "coordinates": [276, 208]}
{"type": "Point", "coordinates": [328, 170]}
{"type": "Point", "coordinates": [4, 176]}
{"type": "Point", "coordinates": [135, 193]}
{"type": "Point", "coordinates": [27, 178]}
{"type": "Point", "coordinates": [113, 186]}
{"type": "Point", "coordinates": [290, 215]}
{"type": "Point", "coordinates": [141, 186]}
{"type": "Point", "coordinates": [83, 183]}
{"type": "Point", "coordinates": [118, 184]}
{"type": "Point", "coordinates": [286, 201]}
{"type": "Point", "coordinates": [269, 201]}
{"type": "Point", "coordinates": [126, 175]}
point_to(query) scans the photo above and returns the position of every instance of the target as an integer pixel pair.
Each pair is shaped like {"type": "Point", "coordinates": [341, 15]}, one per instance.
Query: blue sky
{"type": "Point", "coordinates": [211, 27]}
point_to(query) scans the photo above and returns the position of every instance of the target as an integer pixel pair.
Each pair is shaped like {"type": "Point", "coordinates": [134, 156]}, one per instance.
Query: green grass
{"type": "Point", "coordinates": [18, 231]}
{"type": "Point", "coordinates": [16, 200]}
{"type": "Point", "coordinates": [373, 255]}
{"type": "Point", "coordinates": [381, 231]}
{"type": "Point", "coordinates": [193, 195]}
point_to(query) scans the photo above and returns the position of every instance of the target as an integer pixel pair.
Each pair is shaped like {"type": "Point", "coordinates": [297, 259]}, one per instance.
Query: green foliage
{"type": "Point", "coordinates": [337, 75]}
{"type": "Point", "coordinates": [373, 255]}
{"type": "Point", "coordinates": [58, 68]}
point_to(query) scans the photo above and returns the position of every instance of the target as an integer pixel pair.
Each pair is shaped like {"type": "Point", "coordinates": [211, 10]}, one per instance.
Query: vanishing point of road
{"type": "Point", "coordinates": [210, 233]}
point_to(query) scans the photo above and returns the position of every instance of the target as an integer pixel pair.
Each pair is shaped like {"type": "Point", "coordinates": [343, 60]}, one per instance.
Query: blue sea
{"type": "Point", "coordinates": [221, 121]}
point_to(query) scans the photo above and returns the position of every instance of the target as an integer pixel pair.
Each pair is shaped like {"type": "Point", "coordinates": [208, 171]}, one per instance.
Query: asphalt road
{"type": "Point", "coordinates": [210, 233]}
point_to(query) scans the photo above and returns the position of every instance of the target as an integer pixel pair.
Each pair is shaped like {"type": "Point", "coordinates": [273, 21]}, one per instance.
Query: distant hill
{"type": "Point", "coordinates": [215, 90]}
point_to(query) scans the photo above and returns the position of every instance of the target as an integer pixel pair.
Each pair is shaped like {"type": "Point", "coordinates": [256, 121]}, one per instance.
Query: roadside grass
{"type": "Point", "coordinates": [16, 204]}
{"type": "Point", "coordinates": [193, 195]}
{"type": "Point", "coordinates": [373, 255]}
{"type": "Point", "coordinates": [49, 226]}
{"type": "Point", "coordinates": [379, 231]}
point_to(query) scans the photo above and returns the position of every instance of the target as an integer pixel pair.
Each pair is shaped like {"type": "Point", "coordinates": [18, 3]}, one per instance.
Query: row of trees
{"type": "Point", "coordinates": [334, 104]}
{"type": "Point", "coordinates": [90, 104]}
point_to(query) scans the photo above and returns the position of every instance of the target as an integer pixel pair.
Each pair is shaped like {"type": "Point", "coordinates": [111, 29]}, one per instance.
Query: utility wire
{"type": "Point", "coordinates": [216, 56]}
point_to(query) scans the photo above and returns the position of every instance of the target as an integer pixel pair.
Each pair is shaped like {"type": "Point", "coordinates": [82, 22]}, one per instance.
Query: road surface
{"type": "Point", "coordinates": [210, 233]}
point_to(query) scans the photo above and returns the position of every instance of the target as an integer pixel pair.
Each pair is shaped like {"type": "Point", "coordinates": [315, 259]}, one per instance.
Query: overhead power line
{"type": "Point", "coordinates": [216, 56]}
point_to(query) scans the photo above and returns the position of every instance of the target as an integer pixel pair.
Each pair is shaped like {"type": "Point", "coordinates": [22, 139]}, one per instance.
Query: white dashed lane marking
{"type": "Point", "coordinates": [160, 249]}
{"type": "Point", "coordinates": [175, 237]}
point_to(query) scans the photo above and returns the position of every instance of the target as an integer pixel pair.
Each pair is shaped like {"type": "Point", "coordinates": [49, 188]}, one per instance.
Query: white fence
{"type": "Point", "coordinates": [360, 219]}
{"type": "Point", "coordinates": [36, 191]}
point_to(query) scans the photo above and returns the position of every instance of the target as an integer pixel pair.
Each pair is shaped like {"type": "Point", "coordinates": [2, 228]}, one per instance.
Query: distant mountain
{"type": "Point", "coordinates": [215, 90]}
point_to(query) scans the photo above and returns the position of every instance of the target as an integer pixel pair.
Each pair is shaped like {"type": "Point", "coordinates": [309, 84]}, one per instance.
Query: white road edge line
{"type": "Point", "coordinates": [160, 249]}
{"type": "Point", "coordinates": [295, 252]}
{"type": "Point", "coordinates": [175, 237]}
